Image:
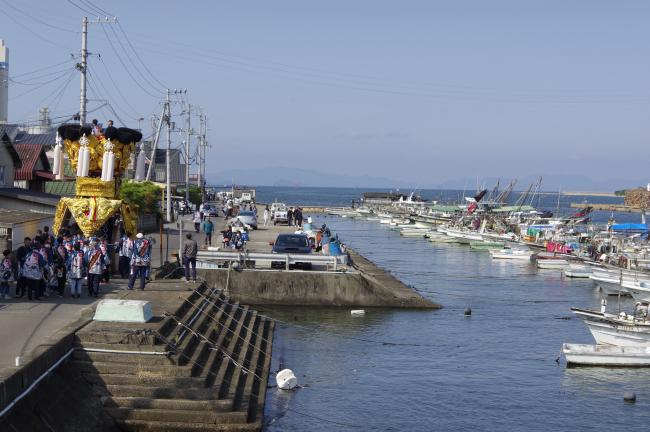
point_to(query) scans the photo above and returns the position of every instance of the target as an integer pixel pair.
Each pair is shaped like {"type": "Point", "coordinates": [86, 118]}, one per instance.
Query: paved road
{"type": "Point", "coordinates": [26, 324]}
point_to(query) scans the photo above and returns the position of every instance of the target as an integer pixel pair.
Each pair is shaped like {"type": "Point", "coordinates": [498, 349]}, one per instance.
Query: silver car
{"type": "Point", "coordinates": [248, 218]}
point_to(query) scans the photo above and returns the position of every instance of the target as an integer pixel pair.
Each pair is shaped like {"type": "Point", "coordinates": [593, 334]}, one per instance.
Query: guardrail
{"type": "Point", "coordinates": [205, 259]}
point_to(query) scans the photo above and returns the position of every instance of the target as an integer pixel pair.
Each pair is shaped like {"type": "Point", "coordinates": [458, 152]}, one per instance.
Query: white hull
{"type": "Point", "coordinates": [612, 334]}
{"type": "Point", "coordinates": [511, 255]}
{"type": "Point", "coordinates": [577, 274]}
{"type": "Point", "coordinates": [605, 355]}
{"type": "Point", "coordinates": [640, 291]}
{"type": "Point", "coordinates": [552, 264]}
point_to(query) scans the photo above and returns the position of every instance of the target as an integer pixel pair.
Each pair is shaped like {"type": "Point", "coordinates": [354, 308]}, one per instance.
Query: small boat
{"type": "Point", "coordinates": [620, 330]}
{"type": "Point", "coordinates": [441, 238]}
{"type": "Point", "coordinates": [605, 355]}
{"type": "Point", "coordinates": [578, 271]}
{"type": "Point", "coordinates": [414, 232]}
{"type": "Point", "coordinates": [486, 245]}
{"type": "Point", "coordinates": [549, 263]}
{"type": "Point", "coordinates": [512, 254]}
{"type": "Point", "coordinates": [639, 290]}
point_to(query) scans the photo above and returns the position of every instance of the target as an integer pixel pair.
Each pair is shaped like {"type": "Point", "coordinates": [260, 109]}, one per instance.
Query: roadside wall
{"type": "Point", "coordinates": [311, 288]}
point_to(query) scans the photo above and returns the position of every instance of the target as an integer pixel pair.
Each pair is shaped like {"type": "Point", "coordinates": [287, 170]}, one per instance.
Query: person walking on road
{"type": "Point", "coordinates": [267, 214]}
{"type": "Point", "coordinates": [208, 228]}
{"type": "Point", "coordinates": [96, 265]}
{"type": "Point", "coordinates": [125, 252]}
{"type": "Point", "coordinates": [139, 261]}
{"type": "Point", "coordinates": [33, 273]}
{"type": "Point", "coordinates": [197, 221]}
{"type": "Point", "coordinates": [190, 249]}
{"type": "Point", "coordinates": [76, 271]}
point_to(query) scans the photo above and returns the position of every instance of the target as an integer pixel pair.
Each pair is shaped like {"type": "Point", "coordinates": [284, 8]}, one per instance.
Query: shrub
{"type": "Point", "coordinates": [145, 196]}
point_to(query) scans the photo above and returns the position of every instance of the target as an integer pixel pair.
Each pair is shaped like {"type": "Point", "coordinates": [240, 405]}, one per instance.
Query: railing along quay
{"type": "Point", "coordinates": [211, 259]}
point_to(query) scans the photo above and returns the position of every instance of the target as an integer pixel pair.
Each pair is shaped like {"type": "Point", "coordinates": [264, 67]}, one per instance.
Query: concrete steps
{"type": "Point", "coordinates": [151, 426]}
{"type": "Point", "coordinates": [103, 368]}
{"type": "Point", "coordinates": [221, 405]}
{"type": "Point", "coordinates": [197, 386]}
{"type": "Point", "coordinates": [177, 415]}
{"type": "Point", "coordinates": [144, 378]}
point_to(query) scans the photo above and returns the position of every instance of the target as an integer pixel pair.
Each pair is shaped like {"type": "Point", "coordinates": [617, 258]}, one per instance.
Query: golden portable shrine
{"type": "Point", "coordinates": [99, 160]}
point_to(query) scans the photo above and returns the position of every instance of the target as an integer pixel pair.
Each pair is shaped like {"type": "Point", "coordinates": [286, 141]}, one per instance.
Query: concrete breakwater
{"type": "Point", "coordinates": [361, 283]}
{"type": "Point", "coordinates": [364, 285]}
{"type": "Point", "coordinates": [202, 363]}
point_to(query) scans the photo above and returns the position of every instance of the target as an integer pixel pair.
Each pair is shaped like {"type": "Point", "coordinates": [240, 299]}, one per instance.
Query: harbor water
{"type": "Point", "coordinates": [439, 370]}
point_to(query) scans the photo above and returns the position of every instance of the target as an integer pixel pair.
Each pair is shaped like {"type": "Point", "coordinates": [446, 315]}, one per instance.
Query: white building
{"type": "Point", "coordinates": [4, 82]}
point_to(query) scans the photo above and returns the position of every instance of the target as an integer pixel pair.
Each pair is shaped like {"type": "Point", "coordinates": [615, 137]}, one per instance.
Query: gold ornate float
{"type": "Point", "coordinates": [100, 161]}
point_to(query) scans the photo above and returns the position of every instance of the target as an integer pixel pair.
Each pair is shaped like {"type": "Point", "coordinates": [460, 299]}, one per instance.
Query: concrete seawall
{"type": "Point", "coordinates": [366, 286]}
{"type": "Point", "coordinates": [201, 363]}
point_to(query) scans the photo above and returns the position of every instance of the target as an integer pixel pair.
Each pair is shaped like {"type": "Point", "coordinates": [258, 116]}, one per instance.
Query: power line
{"type": "Point", "coordinates": [45, 23]}
{"type": "Point", "coordinates": [43, 68]}
{"type": "Point", "coordinates": [97, 9]}
{"type": "Point", "coordinates": [128, 71]}
{"type": "Point", "coordinates": [138, 56]}
{"type": "Point", "coordinates": [79, 7]}
{"type": "Point", "coordinates": [117, 88]}
{"type": "Point", "coordinates": [36, 77]}
{"type": "Point", "coordinates": [41, 85]}
{"type": "Point", "coordinates": [101, 96]}
{"type": "Point", "coordinates": [19, 23]}
{"type": "Point", "coordinates": [128, 56]}
{"type": "Point", "coordinates": [133, 110]}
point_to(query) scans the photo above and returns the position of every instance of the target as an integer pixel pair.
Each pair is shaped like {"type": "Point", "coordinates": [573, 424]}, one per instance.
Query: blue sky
{"type": "Point", "coordinates": [418, 91]}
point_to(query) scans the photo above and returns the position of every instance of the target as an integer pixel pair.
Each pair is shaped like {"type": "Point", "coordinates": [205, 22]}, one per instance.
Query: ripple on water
{"type": "Point", "coordinates": [493, 371]}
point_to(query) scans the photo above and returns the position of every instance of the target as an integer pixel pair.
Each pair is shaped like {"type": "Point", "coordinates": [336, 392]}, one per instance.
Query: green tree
{"type": "Point", "coordinates": [195, 195]}
{"type": "Point", "coordinates": [145, 196]}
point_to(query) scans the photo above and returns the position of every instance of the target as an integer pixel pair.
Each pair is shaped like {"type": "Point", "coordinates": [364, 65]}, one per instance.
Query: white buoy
{"type": "Point", "coordinates": [286, 379]}
{"type": "Point", "coordinates": [357, 312]}
{"type": "Point", "coordinates": [18, 361]}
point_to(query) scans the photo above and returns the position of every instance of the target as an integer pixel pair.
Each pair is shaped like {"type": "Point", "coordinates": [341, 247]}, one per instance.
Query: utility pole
{"type": "Point", "coordinates": [204, 146]}
{"type": "Point", "coordinates": [168, 202]}
{"type": "Point", "coordinates": [156, 138]}
{"type": "Point", "coordinates": [187, 153]}
{"type": "Point", "coordinates": [199, 177]}
{"type": "Point", "coordinates": [83, 66]}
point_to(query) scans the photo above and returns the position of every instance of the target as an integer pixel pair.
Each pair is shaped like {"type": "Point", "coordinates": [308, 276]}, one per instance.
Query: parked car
{"type": "Point", "coordinates": [210, 210]}
{"type": "Point", "coordinates": [292, 244]}
{"type": "Point", "coordinates": [248, 218]}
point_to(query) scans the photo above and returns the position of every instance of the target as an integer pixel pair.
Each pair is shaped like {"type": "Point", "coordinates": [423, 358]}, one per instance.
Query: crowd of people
{"type": "Point", "coordinates": [44, 265]}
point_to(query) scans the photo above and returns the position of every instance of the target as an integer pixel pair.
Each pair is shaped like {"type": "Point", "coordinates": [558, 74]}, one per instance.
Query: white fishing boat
{"type": "Point", "coordinates": [576, 271]}
{"type": "Point", "coordinates": [464, 237]}
{"type": "Point", "coordinates": [512, 254]}
{"type": "Point", "coordinates": [550, 263]}
{"type": "Point", "coordinates": [437, 237]}
{"type": "Point", "coordinates": [414, 232]}
{"type": "Point", "coordinates": [608, 282]}
{"type": "Point", "coordinates": [639, 290]}
{"type": "Point", "coordinates": [620, 330]}
{"type": "Point", "coordinates": [606, 355]}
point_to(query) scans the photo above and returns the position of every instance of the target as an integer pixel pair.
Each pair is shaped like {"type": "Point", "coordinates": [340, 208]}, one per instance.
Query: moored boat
{"type": "Point", "coordinates": [605, 355]}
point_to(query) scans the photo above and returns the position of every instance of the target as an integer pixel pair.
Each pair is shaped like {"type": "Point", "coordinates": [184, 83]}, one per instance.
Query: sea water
{"type": "Point", "coordinates": [410, 370]}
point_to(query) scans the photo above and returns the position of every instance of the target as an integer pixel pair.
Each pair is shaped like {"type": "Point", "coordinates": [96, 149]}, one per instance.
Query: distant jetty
{"type": "Point", "coordinates": [582, 193]}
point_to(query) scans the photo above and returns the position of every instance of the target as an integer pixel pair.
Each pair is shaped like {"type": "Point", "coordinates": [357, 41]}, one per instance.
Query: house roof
{"type": "Point", "coordinates": [10, 218]}
{"type": "Point", "coordinates": [30, 155]}
{"type": "Point", "coordinates": [7, 132]}
{"type": "Point", "coordinates": [30, 195]}
{"type": "Point", "coordinates": [46, 139]}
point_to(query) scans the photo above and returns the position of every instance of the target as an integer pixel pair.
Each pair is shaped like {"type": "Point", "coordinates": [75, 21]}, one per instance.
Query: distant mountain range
{"type": "Point", "coordinates": [285, 176]}
{"type": "Point", "coordinates": [299, 177]}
